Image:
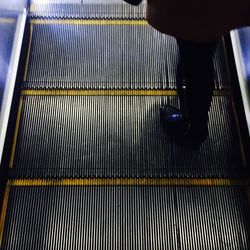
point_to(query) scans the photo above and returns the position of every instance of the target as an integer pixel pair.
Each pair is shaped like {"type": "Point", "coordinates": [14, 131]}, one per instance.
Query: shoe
{"type": "Point", "coordinates": [173, 121]}
{"type": "Point", "coordinates": [177, 126]}
{"type": "Point", "coordinates": [198, 131]}
{"type": "Point", "coordinates": [133, 2]}
{"type": "Point", "coordinates": [193, 139]}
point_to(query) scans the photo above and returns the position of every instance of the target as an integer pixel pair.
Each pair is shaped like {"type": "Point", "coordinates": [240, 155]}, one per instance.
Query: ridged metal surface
{"type": "Point", "coordinates": [103, 136]}
{"type": "Point", "coordinates": [105, 57]}
{"type": "Point", "coordinates": [127, 218]}
{"type": "Point", "coordinates": [222, 74]}
{"type": "Point", "coordinates": [118, 136]}
{"type": "Point", "coordinates": [87, 9]}
{"type": "Point", "coordinates": [98, 56]}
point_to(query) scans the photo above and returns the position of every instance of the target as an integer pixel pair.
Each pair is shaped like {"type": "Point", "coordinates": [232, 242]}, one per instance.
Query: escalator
{"type": "Point", "coordinates": [90, 166]}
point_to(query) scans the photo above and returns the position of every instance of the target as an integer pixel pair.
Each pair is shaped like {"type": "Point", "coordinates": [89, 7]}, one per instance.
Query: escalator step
{"type": "Point", "coordinates": [103, 136]}
{"type": "Point", "coordinates": [122, 217]}
{"type": "Point", "coordinates": [110, 56]}
{"type": "Point", "coordinates": [87, 9]}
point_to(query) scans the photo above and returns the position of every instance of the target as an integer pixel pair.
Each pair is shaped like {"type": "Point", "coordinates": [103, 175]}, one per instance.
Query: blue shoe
{"type": "Point", "coordinates": [178, 127]}
{"type": "Point", "coordinates": [173, 121]}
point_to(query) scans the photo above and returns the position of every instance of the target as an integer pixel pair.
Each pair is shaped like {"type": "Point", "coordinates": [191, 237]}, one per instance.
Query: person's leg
{"type": "Point", "coordinates": [195, 84]}
{"type": "Point", "coordinates": [195, 71]}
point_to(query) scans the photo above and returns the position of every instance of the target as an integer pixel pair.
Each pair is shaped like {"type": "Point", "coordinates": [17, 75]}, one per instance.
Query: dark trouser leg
{"type": "Point", "coordinates": [196, 70]}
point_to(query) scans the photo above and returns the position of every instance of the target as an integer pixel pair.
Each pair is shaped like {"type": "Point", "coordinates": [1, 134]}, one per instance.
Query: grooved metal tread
{"type": "Point", "coordinates": [127, 218]}
{"type": "Point", "coordinates": [117, 136]}
{"type": "Point", "coordinates": [102, 136]}
{"type": "Point", "coordinates": [110, 56]}
{"type": "Point", "coordinates": [87, 9]}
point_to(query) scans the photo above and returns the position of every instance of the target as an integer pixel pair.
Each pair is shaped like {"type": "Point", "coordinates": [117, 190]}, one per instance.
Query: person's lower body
{"type": "Point", "coordinates": [195, 84]}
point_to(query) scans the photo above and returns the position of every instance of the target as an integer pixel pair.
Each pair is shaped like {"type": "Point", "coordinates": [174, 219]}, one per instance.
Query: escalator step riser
{"type": "Point", "coordinates": [127, 218]}
{"type": "Point", "coordinates": [106, 57]}
{"type": "Point", "coordinates": [104, 136]}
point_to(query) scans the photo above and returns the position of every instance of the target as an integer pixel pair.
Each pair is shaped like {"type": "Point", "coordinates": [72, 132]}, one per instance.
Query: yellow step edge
{"type": "Point", "coordinates": [129, 182]}
{"type": "Point", "coordinates": [88, 22]}
{"type": "Point", "coordinates": [16, 132]}
{"type": "Point", "coordinates": [4, 212]}
{"type": "Point", "coordinates": [98, 92]}
{"type": "Point", "coordinates": [222, 92]}
{"type": "Point", "coordinates": [111, 92]}
{"type": "Point", "coordinates": [113, 182]}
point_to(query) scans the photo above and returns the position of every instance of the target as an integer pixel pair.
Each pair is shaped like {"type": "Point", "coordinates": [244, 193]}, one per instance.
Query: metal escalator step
{"type": "Point", "coordinates": [97, 56]}
{"type": "Point", "coordinates": [73, 54]}
{"type": "Point", "coordinates": [87, 9]}
{"type": "Point", "coordinates": [122, 217]}
{"type": "Point", "coordinates": [102, 136]}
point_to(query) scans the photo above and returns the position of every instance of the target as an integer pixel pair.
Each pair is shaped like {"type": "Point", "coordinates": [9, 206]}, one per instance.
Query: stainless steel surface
{"type": "Point", "coordinates": [87, 9]}
{"type": "Point", "coordinates": [118, 136]}
{"type": "Point", "coordinates": [106, 56]}
{"type": "Point", "coordinates": [122, 217]}
{"type": "Point", "coordinates": [97, 56]}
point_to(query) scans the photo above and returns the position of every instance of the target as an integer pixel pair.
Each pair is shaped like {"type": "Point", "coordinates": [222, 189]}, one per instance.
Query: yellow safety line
{"type": "Point", "coordinates": [130, 182]}
{"type": "Point", "coordinates": [28, 54]}
{"type": "Point", "coordinates": [3, 212]}
{"type": "Point", "coordinates": [60, 92]}
{"type": "Point", "coordinates": [242, 149]}
{"type": "Point", "coordinates": [222, 92]}
{"type": "Point", "coordinates": [16, 133]}
{"type": "Point", "coordinates": [7, 20]}
{"type": "Point", "coordinates": [88, 22]}
{"type": "Point", "coordinates": [98, 92]}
